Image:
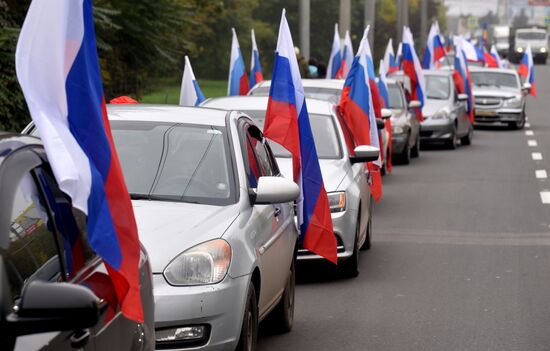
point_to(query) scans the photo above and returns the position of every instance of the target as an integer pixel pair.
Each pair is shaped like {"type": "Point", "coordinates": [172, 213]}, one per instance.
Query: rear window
{"type": "Point", "coordinates": [531, 35]}
{"type": "Point", "coordinates": [326, 94]}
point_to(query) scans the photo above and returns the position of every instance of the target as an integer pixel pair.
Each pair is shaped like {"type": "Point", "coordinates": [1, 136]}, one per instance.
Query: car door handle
{"type": "Point", "coordinates": [80, 338]}
{"type": "Point", "coordinates": [277, 212]}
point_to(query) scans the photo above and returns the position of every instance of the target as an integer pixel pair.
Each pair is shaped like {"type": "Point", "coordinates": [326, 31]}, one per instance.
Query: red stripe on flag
{"type": "Point", "coordinates": [320, 237]}
{"type": "Point", "coordinates": [244, 86]}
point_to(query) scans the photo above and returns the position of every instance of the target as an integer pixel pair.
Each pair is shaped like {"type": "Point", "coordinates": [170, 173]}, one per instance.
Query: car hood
{"type": "Point", "coordinates": [431, 106]}
{"type": "Point", "coordinates": [333, 171]}
{"type": "Point", "coordinates": [166, 229]}
{"type": "Point", "coordinates": [501, 92]}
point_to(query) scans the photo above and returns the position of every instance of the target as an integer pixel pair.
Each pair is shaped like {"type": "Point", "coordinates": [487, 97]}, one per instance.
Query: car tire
{"type": "Point", "coordinates": [350, 267]}
{"type": "Point", "coordinates": [467, 139]}
{"type": "Point", "coordinates": [518, 125]}
{"type": "Point", "coordinates": [405, 157]}
{"type": "Point", "coordinates": [283, 314]}
{"type": "Point", "coordinates": [249, 331]}
{"type": "Point", "coordinates": [383, 169]}
{"type": "Point", "coordinates": [452, 144]}
{"type": "Point", "coordinates": [415, 152]}
{"type": "Point", "coordinates": [368, 241]}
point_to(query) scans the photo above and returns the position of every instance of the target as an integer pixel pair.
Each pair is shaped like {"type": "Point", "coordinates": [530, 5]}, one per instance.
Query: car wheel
{"type": "Point", "coordinates": [249, 330]}
{"type": "Point", "coordinates": [467, 139]}
{"type": "Point", "coordinates": [415, 152]}
{"type": "Point", "coordinates": [405, 156]}
{"type": "Point", "coordinates": [383, 169]}
{"type": "Point", "coordinates": [283, 314]}
{"type": "Point", "coordinates": [368, 241]}
{"type": "Point", "coordinates": [453, 142]}
{"type": "Point", "coordinates": [519, 124]}
{"type": "Point", "coordinates": [350, 267]}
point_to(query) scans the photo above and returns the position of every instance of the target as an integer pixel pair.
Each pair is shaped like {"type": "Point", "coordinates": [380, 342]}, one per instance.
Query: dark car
{"type": "Point", "coordinates": [55, 293]}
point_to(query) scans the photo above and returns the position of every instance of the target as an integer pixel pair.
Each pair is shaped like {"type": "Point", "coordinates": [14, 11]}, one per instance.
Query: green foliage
{"type": "Point", "coordinates": [169, 93]}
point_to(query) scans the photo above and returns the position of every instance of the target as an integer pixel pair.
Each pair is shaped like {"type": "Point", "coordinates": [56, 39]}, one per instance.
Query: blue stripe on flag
{"type": "Point", "coordinates": [282, 85]}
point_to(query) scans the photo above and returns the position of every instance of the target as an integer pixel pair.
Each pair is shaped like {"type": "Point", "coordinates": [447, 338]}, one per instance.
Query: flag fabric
{"type": "Point", "coordinates": [334, 67]}
{"type": "Point", "coordinates": [238, 79]}
{"type": "Point", "coordinates": [287, 123]}
{"type": "Point", "coordinates": [462, 79]}
{"type": "Point", "coordinates": [356, 104]}
{"type": "Point", "coordinates": [190, 94]}
{"type": "Point", "coordinates": [58, 70]}
{"type": "Point", "coordinates": [256, 75]}
{"type": "Point", "coordinates": [347, 55]}
{"type": "Point", "coordinates": [389, 59]}
{"type": "Point", "coordinates": [385, 99]}
{"type": "Point", "coordinates": [471, 52]}
{"type": "Point", "coordinates": [123, 100]}
{"type": "Point", "coordinates": [434, 48]}
{"type": "Point", "coordinates": [372, 77]}
{"type": "Point", "coordinates": [413, 70]}
{"type": "Point", "coordinates": [398, 57]}
{"type": "Point", "coordinates": [495, 60]}
{"type": "Point", "coordinates": [527, 70]}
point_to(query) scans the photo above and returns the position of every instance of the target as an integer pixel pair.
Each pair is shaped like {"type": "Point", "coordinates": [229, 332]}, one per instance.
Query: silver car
{"type": "Point", "coordinates": [445, 117]}
{"type": "Point", "coordinates": [344, 176]}
{"type": "Point", "coordinates": [216, 218]}
{"type": "Point", "coordinates": [499, 96]}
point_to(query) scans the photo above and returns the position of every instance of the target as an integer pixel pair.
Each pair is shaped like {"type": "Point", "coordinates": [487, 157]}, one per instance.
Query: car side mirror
{"type": "Point", "coordinates": [462, 97]}
{"type": "Point", "coordinates": [380, 124]}
{"type": "Point", "coordinates": [526, 87]}
{"type": "Point", "coordinates": [365, 153]}
{"type": "Point", "coordinates": [386, 113]}
{"type": "Point", "coordinates": [276, 190]}
{"type": "Point", "coordinates": [415, 104]}
{"type": "Point", "coordinates": [47, 307]}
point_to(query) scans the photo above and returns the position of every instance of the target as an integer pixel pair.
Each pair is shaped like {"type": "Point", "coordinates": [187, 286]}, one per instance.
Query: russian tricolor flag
{"type": "Point", "coordinates": [385, 99]}
{"type": "Point", "coordinates": [390, 62]}
{"type": "Point", "coordinates": [492, 58]}
{"type": "Point", "coordinates": [58, 70]}
{"type": "Point", "coordinates": [434, 48]}
{"type": "Point", "coordinates": [463, 81]}
{"type": "Point", "coordinates": [238, 80]}
{"type": "Point", "coordinates": [527, 70]}
{"type": "Point", "coordinates": [347, 55]}
{"type": "Point", "coordinates": [334, 67]}
{"type": "Point", "coordinates": [287, 123]}
{"type": "Point", "coordinates": [413, 70]}
{"type": "Point", "coordinates": [190, 94]}
{"type": "Point", "coordinates": [357, 106]}
{"type": "Point", "coordinates": [256, 75]}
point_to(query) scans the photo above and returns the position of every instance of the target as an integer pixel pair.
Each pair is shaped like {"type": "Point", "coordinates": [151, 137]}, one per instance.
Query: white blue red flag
{"type": "Point", "coordinates": [527, 70]}
{"type": "Point", "coordinates": [398, 57]}
{"type": "Point", "coordinates": [347, 55]}
{"type": "Point", "coordinates": [413, 70]}
{"type": "Point", "coordinates": [492, 58]}
{"type": "Point", "coordinates": [390, 61]}
{"type": "Point", "coordinates": [190, 94]}
{"type": "Point", "coordinates": [58, 70]}
{"type": "Point", "coordinates": [238, 79]}
{"type": "Point", "coordinates": [256, 75]}
{"type": "Point", "coordinates": [472, 53]}
{"type": "Point", "coordinates": [334, 67]}
{"type": "Point", "coordinates": [287, 123]}
{"type": "Point", "coordinates": [435, 49]}
{"type": "Point", "coordinates": [462, 79]}
{"type": "Point", "coordinates": [385, 102]}
{"type": "Point", "coordinates": [357, 106]}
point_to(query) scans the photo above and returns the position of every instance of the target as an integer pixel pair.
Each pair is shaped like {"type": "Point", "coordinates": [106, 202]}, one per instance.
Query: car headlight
{"type": "Point", "coordinates": [397, 129]}
{"type": "Point", "coordinates": [514, 102]}
{"type": "Point", "coordinates": [337, 201]}
{"type": "Point", "coordinates": [206, 263]}
{"type": "Point", "coordinates": [441, 115]}
{"type": "Point", "coordinates": [520, 50]}
{"type": "Point", "coordinates": [543, 50]}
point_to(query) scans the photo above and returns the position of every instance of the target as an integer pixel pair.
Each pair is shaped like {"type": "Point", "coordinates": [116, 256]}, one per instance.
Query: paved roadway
{"type": "Point", "coordinates": [461, 258]}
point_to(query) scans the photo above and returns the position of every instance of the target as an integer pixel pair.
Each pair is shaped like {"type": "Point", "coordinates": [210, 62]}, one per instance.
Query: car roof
{"type": "Point", "coordinates": [437, 72]}
{"type": "Point", "coordinates": [167, 113]}
{"type": "Point", "coordinates": [253, 103]}
{"type": "Point", "coordinates": [318, 83]}
{"type": "Point", "coordinates": [493, 70]}
{"type": "Point", "coordinates": [14, 141]}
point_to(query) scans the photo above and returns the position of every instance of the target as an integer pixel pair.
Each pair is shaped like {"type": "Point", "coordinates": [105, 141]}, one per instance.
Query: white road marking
{"type": "Point", "coordinates": [541, 174]}
{"type": "Point", "coordinates": [545, 197]}
{"type": "Point", "coordinates": [527, 125]}
{"type": "Point", "coordinates": [532, 143]}
{"type": "Point", "coordinates": [537, 156]}
{"type": "Point", "coordinates": [529, 132]}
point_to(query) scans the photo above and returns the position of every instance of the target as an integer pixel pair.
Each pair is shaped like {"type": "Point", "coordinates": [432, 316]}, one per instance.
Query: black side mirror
{"type": "Point", "coordinates": [380, 124]}
{"type": "Point", "coordinates": [46, 307]}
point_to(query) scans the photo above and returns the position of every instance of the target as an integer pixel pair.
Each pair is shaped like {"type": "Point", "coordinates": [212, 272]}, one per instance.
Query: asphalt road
{"type": "Point", "coordinates": [461, 257]}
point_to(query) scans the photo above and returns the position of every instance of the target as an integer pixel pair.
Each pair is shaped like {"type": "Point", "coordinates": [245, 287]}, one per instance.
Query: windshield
{"type": "Point", "coordinates": [326, 140]}
{"type": "Point", "coordinates": [395, 97]}
{"type": "Point", "coordinates": [174, 162]}
{"type": "Point", "coordinates": [438, 87]}
{"type": "Point", "coordinates": [326, 94]}
{"type": "Point", "coordinates": [531, 35]}
{"type": "Point", "coordinates": [482, 79]}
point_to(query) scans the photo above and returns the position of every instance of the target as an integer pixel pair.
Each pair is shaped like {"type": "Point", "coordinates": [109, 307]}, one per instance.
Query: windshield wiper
{"type": "Point", "coordinates": [436, 97]}
{"type": "Point", "coordinates": [135, 196]}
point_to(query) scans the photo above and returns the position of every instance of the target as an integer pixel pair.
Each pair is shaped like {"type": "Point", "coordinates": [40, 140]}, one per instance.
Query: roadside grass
{"type": "Point", "coordinates": [170, 93]}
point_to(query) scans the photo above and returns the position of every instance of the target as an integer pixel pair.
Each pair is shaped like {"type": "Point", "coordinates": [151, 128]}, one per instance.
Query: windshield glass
{"type": "Point", "coordinates": [326, 94]}
{"type": "Point", "coordinates": [327, 142]}
{"type": "Point", "coordinates": [438, 87]}
{"type": "Point", "coordinates": [482, 79]}
{"type": "Point", "coordinates": [531, 35]}
{"type": "Point", "coordinates": [174, 162]}
{"type": "Point", "coordinates": [395, 97]}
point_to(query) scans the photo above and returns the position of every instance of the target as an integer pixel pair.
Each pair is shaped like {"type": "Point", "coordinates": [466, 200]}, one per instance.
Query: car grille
{"type": "Point", "coordinates": [339, 247]}
{"type": "Point", "coordinates": [487, 102]}
{"type": "Point", "coordinates": [426, 133]}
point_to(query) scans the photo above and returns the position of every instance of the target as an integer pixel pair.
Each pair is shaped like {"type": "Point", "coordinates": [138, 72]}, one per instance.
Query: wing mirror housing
{"type": "Point", "coordinates": [462, 97]}
{"type": "Point", "coordinates": [526, 87]}
{"type": "Point", "coordinates": [365, 153]}
{"type": "Point", "coordinates": [415, 104]}
{"type": "Point", "coordinates": [380, 124]}
{"type": "Point", "coordinates": [47, 307]}
{"type": "Point", "coordinates": [275, 190]}
{"type": "Point", "coordinates": [386, 113]}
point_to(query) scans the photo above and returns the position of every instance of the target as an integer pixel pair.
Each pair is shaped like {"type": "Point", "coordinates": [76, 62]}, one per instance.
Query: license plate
{"type": "Point", "coordinates": [486, 113]}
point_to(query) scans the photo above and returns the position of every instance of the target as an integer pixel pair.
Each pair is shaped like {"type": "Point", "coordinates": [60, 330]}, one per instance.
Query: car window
{"type": "Point", "coordinates": [494, 79]}
{"type": "Point", "coordinates": [254, 168]}
{"type": "Point", "coordinates": [262, 156]}
{"type": "Point", "coordinates": [395, 97]}
{"type": "Point", "coordinates": [175, 161]}
{"type": "Point", "coordinates": [438, 87]}
{"type": "Point", "coordinates": [32, 253]}
{"type": "Point", "coordinates": [531, 35]}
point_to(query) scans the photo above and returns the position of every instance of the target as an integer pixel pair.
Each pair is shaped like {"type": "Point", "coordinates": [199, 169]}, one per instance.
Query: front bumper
{"type": "Point", "coordinates": [436, 130]}
{"type": "Point", "coordinates": [344, 228]}
{"type": "Point", "coordinates": [501, 115]}
{"type": "Point", "coordinates": [399, 141]}
{"type": "Point", "coordinates": [218, 306]}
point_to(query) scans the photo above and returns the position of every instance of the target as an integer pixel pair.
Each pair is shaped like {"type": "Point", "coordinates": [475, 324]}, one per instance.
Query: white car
{"type": "Point", "coordinates": [344, 176]}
